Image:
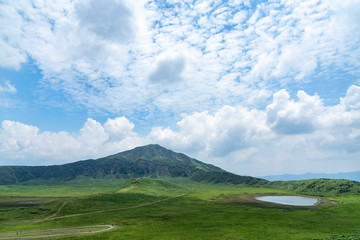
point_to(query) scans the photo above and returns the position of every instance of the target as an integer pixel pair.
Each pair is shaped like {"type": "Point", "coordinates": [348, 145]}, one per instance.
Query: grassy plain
{"type": "Point", "coordinates": [172, 209]}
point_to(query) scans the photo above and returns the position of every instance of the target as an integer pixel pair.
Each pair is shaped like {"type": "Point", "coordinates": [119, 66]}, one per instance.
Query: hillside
{"type": "Point", "coordinates": [156, 162]}
{"type": "Point", "coordinates": [319, 187]}
{"type": "Point", "coordinates": [152, 161]}
{"type": "Point", "coordinates": [153, 187]}
{"type": "Point", "coordinates": [353, 176]}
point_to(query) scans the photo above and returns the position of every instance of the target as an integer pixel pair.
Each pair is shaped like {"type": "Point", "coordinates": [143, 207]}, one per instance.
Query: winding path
{"type": "Point", "coordinates": [110, 210]}
{"type": "Point", "coordinates": [109, 227]}
{"type": "Point", "coordinates": [54, 216]}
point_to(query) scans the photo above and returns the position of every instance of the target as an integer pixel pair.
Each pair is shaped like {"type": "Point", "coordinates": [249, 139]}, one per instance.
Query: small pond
{"type": "Point", "coordinates": [289, 200]}
{"type": "Point", "coordinates": [30, 202]}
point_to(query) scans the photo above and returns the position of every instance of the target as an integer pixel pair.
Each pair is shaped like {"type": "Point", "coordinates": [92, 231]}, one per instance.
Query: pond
{"type": "Point", "coordinates": [289, 200]}
{"type": "Point", "coordinates": [30, 202]}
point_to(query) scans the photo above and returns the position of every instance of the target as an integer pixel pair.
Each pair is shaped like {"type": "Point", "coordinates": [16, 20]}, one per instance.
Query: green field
{"type": "Point", "coordinates": [169, 209]}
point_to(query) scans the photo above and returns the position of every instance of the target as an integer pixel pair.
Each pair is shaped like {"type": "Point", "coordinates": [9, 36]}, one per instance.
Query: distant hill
{"type": "Point", "coordinates": [154, 164]}
{"type": "Point", "coordinates": [152, 161]}
{"type": "Point", "coordinates": [319, 187]}
{"type": "Point", "coordinates": [354, 176]}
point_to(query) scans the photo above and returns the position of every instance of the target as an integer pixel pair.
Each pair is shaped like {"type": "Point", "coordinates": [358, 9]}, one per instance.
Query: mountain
{"type": "Point", "coordinates": [152, 161]}
{"type": "Point", "coordinates": [354, 176]}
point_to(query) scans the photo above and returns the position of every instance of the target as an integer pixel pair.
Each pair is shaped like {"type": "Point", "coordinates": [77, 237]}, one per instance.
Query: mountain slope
{"type": "Point", "coordinates": [152, 187]}
{"type": "Point", "coordinates": [151, 161]}
{"type": "Point", "coordinates": [319, 187]}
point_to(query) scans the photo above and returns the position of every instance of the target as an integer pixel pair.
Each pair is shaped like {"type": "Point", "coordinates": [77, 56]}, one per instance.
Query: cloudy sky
{"type": "Point", "coordinates": [254, 87]}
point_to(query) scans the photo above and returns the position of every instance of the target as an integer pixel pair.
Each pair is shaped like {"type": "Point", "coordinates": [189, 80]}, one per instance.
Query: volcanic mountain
{"type": "Point", "coordinates": [152, 161]}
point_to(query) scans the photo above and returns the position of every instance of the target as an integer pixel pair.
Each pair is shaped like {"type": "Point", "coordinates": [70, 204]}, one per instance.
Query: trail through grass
{"type": "Point", "coordinates": [109, 210]}
{"type": "Point", "coordinates": [158, 210]}
{"type": "Point", "coordinates": [56, 232]}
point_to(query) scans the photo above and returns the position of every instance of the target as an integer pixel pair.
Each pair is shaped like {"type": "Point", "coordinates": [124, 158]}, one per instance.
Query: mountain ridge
{"type": "Point", "coordinates": [152, 161]}
{"type": "Point", "coordinates": [353, 176]}
{"type": "Point", "coordinates": [156, 162]}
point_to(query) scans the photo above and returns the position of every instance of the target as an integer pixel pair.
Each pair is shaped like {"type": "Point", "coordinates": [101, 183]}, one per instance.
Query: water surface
{"type": "Point", "coordinates": [290, 200]}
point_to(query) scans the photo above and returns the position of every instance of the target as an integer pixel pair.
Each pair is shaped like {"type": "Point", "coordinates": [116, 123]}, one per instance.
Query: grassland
{"type": "Point", "coordinates": [56, 232]}
{"type": "Point", "coordinates": [172, 209]}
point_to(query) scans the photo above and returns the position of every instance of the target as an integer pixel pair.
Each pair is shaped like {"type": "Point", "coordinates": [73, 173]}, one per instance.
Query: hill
{"type": "Point", "coordinates": [153, 187]}
{"type": "Point", "coordinates": [319, 187]}
{"type": "Point", "coordinates": [354, 176]}
{"type": "Point", "coordinates": [152, 161]}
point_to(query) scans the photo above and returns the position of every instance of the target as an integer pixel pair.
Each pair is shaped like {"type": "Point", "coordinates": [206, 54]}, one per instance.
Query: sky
{"type": "Point", "coordinates": [255, 87]}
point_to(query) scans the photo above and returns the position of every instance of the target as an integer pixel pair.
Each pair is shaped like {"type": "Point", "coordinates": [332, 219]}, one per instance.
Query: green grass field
{"type": "Point", "coordinates": [171, 209]}
{"type": "Point", "coordinates": [56, 232]}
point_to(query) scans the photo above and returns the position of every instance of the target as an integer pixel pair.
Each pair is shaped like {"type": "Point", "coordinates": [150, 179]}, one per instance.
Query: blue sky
{"type": "Point", "coordinates": [255, 87]}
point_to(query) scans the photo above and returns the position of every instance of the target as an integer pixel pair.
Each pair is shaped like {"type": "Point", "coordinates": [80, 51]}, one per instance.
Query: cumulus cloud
{"type": "Point", "coordinates": [352, 99]}
{"type": "Point", "coordinates": [301, 134]}
{"type": "Point", "coordinates": [119, 128]}
{"type": "Point", "coordinates": [107, 55]}
{"type": "Point", "coordinates": [286, 116]}
{"type": "Point", "coordinates": [289, 134]}
{"type": "Point", "coordinates": [228, 130]}
{"type": "Point", "coordinates": [27, 145]}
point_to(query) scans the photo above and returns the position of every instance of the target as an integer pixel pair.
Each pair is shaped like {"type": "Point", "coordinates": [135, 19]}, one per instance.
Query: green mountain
{"type": "Point", "coordinates": [151, 161]}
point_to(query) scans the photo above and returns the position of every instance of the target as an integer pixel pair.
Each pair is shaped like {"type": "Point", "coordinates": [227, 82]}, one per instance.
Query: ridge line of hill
{"type": "Point", "coordinates": [153, 161]}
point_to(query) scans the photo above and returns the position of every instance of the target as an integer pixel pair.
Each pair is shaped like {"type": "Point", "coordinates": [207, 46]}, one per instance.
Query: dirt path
{"type": "Point", "coordinates": [54, 216]}
{"type": "Point", "coordinates": [110, 210]}
{"type": "Point", "coordinates": [109, 227]}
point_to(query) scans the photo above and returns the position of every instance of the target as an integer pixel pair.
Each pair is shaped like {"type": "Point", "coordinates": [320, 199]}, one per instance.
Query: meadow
{"type": "Point", "coordinates": [169, 209]}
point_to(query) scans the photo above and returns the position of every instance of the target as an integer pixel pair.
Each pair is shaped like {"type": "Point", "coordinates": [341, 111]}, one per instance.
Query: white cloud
{"type": "Point", "coordinates": [229, 53]}
{"type": "Point", "coordinates": [293, 59]}
{"type": "Point", "coordinates": [93, 58]}
{"type": "Point", "coordinates": [7, 91]}
{"type": "Point", "coordinates": [288, 117]}
{"type": "Point", "coordinates": [6, 87]}
{"type": "Point", "coordinates": [93, 136]}
{"type": "Point", "coordinates": [119, 128]}
{"type": "Point", "coordinates": [289, 134]}
{"type": "Point", "coordinates": [109, 20]}
{"type": "Point", "coordinates": [352, 99]}
{"type": "Point", "coordinates": [11, 57]}
{"type": "Point", "coordinates": [24, 144]}
{"type": "Point", "coordinates": [11, 54]}
{"type": "Point", "coordinates": [228, 130]}
{"type": "Point", "coordinates": [168, 71]}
